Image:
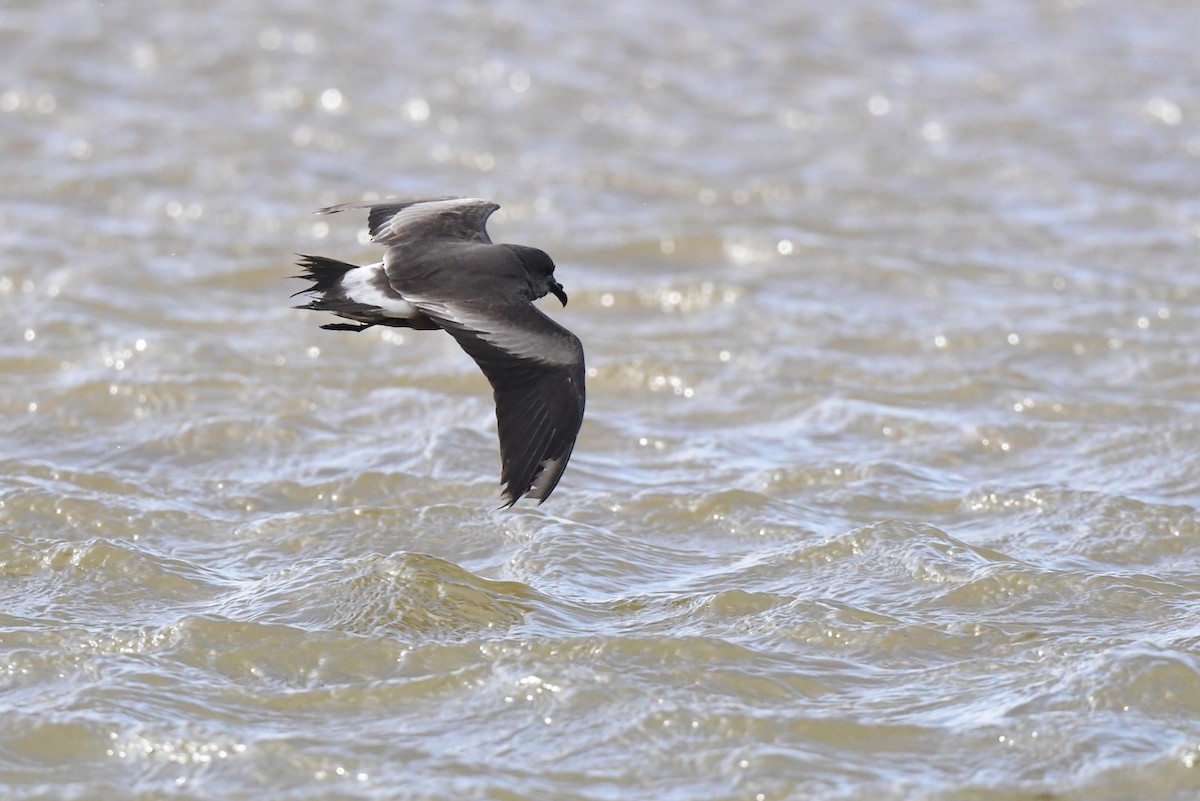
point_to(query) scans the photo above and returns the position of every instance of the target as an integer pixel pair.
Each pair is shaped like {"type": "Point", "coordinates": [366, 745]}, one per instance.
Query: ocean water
{"type": "Point", "coordinates": [889, 478]}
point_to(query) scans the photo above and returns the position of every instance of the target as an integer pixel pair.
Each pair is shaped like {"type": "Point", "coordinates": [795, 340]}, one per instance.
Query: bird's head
{"type": "Point", "coordinates": [539, 267]}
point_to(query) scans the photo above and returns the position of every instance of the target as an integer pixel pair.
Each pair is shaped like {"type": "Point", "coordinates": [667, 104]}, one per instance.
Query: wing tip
{"type": "Point", "coordinates": [540, 485]}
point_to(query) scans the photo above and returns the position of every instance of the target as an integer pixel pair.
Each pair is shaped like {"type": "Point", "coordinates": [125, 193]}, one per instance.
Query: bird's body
{"type": "Point", "coordinates": [441, 270]}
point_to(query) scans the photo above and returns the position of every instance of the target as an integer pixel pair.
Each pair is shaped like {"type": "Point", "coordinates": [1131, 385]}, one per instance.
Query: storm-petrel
{"type": "Point", "coordinates": [441, 270]}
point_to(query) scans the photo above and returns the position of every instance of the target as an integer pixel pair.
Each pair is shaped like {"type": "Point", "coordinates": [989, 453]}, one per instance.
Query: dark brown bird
{"type": "Point", "coordinates": [441, 270]}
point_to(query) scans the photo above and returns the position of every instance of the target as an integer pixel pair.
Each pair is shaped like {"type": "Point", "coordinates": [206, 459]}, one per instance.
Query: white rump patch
{"type": "Point", "coordinates": [359, 286]}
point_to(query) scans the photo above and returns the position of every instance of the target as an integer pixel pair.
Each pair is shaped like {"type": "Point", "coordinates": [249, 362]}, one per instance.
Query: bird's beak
{"type": "Point", "coordinates": [557, 289]}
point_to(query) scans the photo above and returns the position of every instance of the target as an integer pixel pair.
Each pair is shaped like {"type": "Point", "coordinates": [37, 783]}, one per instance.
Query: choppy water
{"type": "Point", "coordinates": [888, 486]}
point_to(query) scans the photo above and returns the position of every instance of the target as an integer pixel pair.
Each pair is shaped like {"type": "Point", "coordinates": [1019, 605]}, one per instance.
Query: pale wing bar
{"type": "Point", "coordinates": [459, 218]}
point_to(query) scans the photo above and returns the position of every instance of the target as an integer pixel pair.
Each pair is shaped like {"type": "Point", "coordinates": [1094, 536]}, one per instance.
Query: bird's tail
{"type": "Point", "coordinates": [326, 275]}
{"type": "Point", "coordinates": [329, 293]}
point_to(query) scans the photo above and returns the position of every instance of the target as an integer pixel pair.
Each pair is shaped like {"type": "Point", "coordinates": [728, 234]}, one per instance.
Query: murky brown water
{"type": "Point", "coordinates": [888, 486]}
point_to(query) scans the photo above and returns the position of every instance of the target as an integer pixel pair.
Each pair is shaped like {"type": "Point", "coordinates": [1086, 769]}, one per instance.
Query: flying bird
{"type": "Point", "coordinates": [442, 270]}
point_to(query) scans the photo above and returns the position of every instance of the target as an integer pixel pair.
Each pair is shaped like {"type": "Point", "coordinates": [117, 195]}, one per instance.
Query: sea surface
{"type": "Point", "coordinates": [889, 482]}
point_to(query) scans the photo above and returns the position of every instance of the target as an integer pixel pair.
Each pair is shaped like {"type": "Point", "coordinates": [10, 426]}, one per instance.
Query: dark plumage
{"type": "Point", "coordinates": [441, 270]}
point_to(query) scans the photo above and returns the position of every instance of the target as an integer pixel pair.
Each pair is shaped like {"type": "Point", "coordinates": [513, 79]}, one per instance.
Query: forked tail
{"type": "Point", "coordinates": [325, 274]}
{"type": "Point", "coordinates": [360, 302]}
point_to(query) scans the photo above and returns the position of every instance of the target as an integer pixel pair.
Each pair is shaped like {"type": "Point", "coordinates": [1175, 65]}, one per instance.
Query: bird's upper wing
{"type": "Point", "coordinates": [405, 222]}
{"type": "Point", "coordinates": [535, 367]}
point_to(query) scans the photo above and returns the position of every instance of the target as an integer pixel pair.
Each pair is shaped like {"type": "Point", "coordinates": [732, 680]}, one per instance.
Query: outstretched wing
{"type": "Point", "coordinates": [405, 222]}
{"type": "Point", "coordinates": [535, 367]}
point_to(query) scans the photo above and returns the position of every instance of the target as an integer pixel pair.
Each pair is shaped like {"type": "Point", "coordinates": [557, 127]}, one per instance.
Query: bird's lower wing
{"type": "Point", "coordinates": [536, 370]}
